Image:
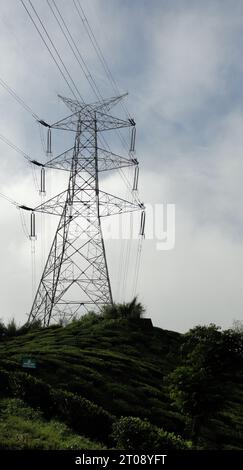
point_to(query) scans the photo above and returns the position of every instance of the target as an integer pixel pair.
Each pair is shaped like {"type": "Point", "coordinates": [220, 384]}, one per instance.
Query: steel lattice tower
{"type": "Point", "coordinates": [75, 277]}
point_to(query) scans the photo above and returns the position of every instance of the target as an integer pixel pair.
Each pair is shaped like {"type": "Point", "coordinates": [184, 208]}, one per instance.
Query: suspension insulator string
{"type": "Point", "coordinates": [32, 248]}
{"type": "Point", "coordinates": [33, 267]}
{"type": "Point", "coordinates": [49, 146]}
{"type": "Point", "coordinates": [142, 224]}
{"type": "Point", "coordinates": [43, 182]}
{"type": "Point", "coordinates": [43, 234]}
{"type": "Point", "coordinates": [133, 139]}
{"type": "Point", "coordinates": [135, 180]}
{"type": "Point", "coordinates": [32, 226]}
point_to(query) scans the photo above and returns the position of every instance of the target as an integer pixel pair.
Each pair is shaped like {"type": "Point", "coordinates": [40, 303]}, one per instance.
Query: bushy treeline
{"type": "Point", "coordinates": [129, 310]}
{"type": "Point", "coordinates": [206, 377]}
{"type": "Point", "coordinates": [11, 328]}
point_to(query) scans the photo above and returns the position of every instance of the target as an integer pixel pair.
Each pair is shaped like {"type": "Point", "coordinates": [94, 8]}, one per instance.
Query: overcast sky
{"type": "Point", "coordinates": [181, 62]}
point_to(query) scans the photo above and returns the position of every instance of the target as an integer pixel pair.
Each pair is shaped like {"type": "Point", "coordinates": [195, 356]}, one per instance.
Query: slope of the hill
{"type": "Point", "coordinates": [119, 366]}
{"type": "Point", "coordinates": [21, 427]}
{"type": "Point", "coordinates": [114, 363]}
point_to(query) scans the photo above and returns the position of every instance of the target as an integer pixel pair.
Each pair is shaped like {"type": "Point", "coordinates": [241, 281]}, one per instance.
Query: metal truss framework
{"type": "Point", "coordinates": [75, 277]}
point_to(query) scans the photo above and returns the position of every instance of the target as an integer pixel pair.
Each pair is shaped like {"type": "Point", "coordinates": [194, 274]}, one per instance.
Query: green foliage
{"type": "Point", "coordinates": [33, 326]}
{"type": "Point", "coordinates": [209, 347]}
{"type": "Point", "coordinates": [210, 357]}
{"type": "Point", "coordinates": [194, 393]}
{"type": "Point", "coordinates": [88, 319]}
{"type": "Point", "coordinates": [135, 434]}
{"type": "Point", "coordinates": [237, 326]}
{"type": "Point", "coordinates": [32, 390]}
{"type": "Point", "coordinates": [2, 330]}
{"type": "Point", "coordinates": [81, 414]}
{"type": "Point", "coordinates": [99, 367]}
{"type": "Point", "coordinates": [22, 428]}
{"type": "Point", "coordinates": [11, 328]}
{"type": "Point", "coordinates": [130, 310]}
{"type": "Point", "coordinates": [4, 383]}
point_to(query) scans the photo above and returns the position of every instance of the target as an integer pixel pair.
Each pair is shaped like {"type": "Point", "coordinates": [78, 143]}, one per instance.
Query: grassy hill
{"type": "Point", "coordinates": [88, 375]}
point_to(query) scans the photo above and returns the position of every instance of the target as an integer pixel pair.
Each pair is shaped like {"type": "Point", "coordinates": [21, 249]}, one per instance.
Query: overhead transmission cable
{"type": "Point", "coordinates": [49, 50]}
{"type": "Point", "coordinates": [23, 154]}
{"type": "Point", "coordinates": [11, 201]}
{"type": "Point", "coordinates": [77, 54]}
{"type": "Point", "coordinates": [103, 61]}
{"type": "Point", "coordinates": [13, 93]}
{"type": "Point", "coordinates": [23, 223]}
{"type": "Point", "coordinates": [98, 50]}
{"type": "Point", "coordinates": [87, 73]}
{"type": "Point", "coordinates": [14, 147]}
{"type": "Point", "coordinates": [16, 204]}
{"type": "Point", "coordinates": [71, 42]}
{"type": "Point", "coordinates": [88, 29]}
{"type": "Point", "coordinates": [137, 265]}
{"type": "Point", "coordinates": [55, 49]}
{"type": "Point", "coordinates": [112, 81]}
{"type": "Point", "coordinates": [124, 256]}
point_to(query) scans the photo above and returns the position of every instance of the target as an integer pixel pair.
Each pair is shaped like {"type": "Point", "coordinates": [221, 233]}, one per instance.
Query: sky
{"type": "Point", "coordinates": [181, 63]}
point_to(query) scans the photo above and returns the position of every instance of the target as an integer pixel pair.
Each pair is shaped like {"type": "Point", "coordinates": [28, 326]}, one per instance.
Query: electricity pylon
{"type": "Point", "coordinates": [75, 277]}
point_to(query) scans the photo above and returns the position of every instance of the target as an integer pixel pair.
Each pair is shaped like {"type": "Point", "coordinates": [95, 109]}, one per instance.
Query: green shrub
{"type": "Point", "coordinates": [4, 382]}
{"type": "Point", "coordinates": [29, 327]}
{"type": "Point", "coordinates": [11, 328]}
{"type": "Point", "coordinates": [22, 428]}
{"type": "Point", "coordinates": [130, 310]}
{"type": "Point", "coordinates": [132, 433]}
{"type": "Point", "coordinates": [2, 329]}
{"type": "Point", "coordinates": [81, 414]}
{"type": "Point", "coordinates": [88, 319]}
{"type": "Point", "coordinates": [33, 391]}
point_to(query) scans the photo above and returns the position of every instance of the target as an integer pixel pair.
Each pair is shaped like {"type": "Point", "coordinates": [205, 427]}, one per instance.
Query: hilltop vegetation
{"type": "Point", "coordinates": [105, 382]}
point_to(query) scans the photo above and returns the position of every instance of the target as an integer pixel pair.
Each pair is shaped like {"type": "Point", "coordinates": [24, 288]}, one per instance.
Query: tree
{"type": "Point", "coordinates": [2, 329]}
{"type": "Point", "coordinates": [196, 394]}
{"type": "Point", "coordinates": [237, 326]}
{"type": "Point", "coordinates": [218, 351]}
{"type": "Point", "coordinates": [210, 358]}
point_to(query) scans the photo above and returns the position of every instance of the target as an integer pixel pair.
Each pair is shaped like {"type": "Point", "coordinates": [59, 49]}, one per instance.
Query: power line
{"type": "Point", "coordinates": [98, 50]}
{"type": "Point", "coordinates": [65, 30]}
{"type": "Point", "coordinates": [55, 49]}
{"type": "Point", "coordinates": [23, 223]}
{"type": "Point", "coordinates": [86, 71]}
{"type": "Point", "coordinates": [21, 152]}
{"type": "Point", "coordinates": [137, 265]}
{"type": "Point", "coordinates": [75, 49]}
{"type": "Point", "coordinates": [49, 50]}
{"type": "Point", "coordinates": [13, 93]}
{"type": "Point", "coordinates": [42, 138]}
{"type": "Point", "coordinates": [14, 147]}
{"type": "Point", "coordinates": [103, 61]}
{"type": "Point", "coordinates": [11, 201]}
